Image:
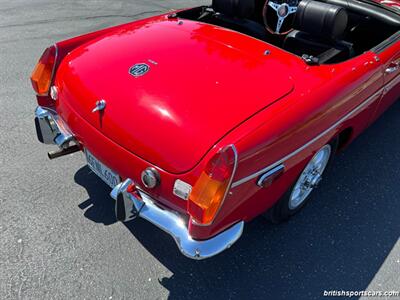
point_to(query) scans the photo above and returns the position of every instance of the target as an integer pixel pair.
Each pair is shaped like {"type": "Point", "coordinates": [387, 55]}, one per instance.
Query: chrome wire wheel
{"type": "Point", "coordinates": [310, 178]}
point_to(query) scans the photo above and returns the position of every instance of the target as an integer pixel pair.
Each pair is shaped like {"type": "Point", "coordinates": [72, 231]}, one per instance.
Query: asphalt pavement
{"type": "Point", "coordinates": [59, 238]}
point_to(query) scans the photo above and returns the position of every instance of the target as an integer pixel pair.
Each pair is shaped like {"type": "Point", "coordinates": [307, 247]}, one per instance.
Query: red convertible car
{"type": "Point", "coordinates": [202, 119]}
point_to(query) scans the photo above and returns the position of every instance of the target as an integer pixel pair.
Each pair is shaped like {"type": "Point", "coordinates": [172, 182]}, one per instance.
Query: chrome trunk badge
{"type": "Point", "coordinates": [100, 106]}
{"type": "Point", "coordinates": [139, 69]}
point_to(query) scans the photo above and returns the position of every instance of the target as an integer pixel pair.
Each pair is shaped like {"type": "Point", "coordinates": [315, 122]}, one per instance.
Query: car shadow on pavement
{"type": "Point", "coordinates": [98, 208]}
{"type": "Point", "coordinates": [338, 242]}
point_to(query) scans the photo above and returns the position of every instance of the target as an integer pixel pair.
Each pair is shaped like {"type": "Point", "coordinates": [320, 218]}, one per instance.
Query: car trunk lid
{"type": "Point", "coordinates": [202, 81]}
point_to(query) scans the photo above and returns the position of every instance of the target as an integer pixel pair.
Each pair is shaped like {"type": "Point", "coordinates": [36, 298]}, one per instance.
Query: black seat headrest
{"type": "Point", "coordinates": [321, 19]}
{"type": "Point", "coordinates": [235, 8]}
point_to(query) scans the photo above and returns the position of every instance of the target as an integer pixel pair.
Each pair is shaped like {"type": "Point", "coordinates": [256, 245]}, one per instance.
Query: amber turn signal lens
{"type": "Point", "coordinates": [211, 188]}
{"type": "Point", "coordinates": [42, 74]}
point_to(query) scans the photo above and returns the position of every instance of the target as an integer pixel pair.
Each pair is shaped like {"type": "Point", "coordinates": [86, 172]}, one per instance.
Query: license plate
{"type": "Point", "coordinates": [101, 170]}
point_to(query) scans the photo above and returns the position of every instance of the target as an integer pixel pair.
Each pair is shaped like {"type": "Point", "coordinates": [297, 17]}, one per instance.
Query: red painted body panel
{"type": "Point", "coordinates": [320, 99]}
{"type": "Point", "coordinates": [196, 116]}
{"type": "Point", "coordinates": [390, 58]}
{"type": "Point", "coordinates": [390, 3]}
{"type": "Point", "coordinates": [182, 96]}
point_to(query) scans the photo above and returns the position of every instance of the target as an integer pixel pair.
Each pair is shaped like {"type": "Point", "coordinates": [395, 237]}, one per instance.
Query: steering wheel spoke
{"type": "Point", "coordinates": [292, 9]}
{"type": "Point", "coordinates": [274, 5]}
{"type": "Point", "coordinates": [279, 24]}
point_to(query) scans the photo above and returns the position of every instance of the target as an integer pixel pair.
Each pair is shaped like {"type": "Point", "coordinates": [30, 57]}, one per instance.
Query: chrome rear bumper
{"type": "Point", "coordinates": [52, 130]}
{"type": "Point", "coordinates": [175, 225]}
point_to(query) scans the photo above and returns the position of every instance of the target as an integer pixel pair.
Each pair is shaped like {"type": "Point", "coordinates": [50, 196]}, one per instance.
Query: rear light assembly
{"type": "Point", "coordinates": [210, 190]}
{"type": "Point", "coordinates": [43, 72]}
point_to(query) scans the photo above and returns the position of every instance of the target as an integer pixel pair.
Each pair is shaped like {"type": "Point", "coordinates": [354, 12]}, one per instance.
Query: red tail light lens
{"type": "Point", "coordinates": [211, 188]}
{"type": "Point", "coordinates": [42, 74]}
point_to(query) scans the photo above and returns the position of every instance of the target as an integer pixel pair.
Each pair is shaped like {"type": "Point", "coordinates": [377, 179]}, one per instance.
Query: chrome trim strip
{"type": "Point", "coordinates": [290, 155]}
{"type": "Point", "coordinates": [386, 43]}
{"type": "Point", "coordinates": [392, 83]}
{"type": "Point", "coordinates": [53, 72]}
{"type": "Point", "coordinates": [176, 226]}
{"type": "Point", "coordinates": [271, 172]}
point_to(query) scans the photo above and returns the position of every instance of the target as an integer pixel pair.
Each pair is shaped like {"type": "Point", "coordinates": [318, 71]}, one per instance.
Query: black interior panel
{"type": "Point", "coordinates": [368, 25]}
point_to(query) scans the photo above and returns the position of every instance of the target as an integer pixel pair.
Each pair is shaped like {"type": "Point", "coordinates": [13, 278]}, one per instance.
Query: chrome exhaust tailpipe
{"type": "Point", "coordinates": [63, 151]}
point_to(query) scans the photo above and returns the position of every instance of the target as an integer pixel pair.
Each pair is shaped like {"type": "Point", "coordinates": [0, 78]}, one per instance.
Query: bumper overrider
{"type": "Point", "coordinates": [52, 130]}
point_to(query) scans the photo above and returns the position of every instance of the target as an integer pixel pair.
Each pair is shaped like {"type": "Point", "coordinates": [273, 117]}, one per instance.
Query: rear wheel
{"type": "Point", "coordinates": [299, 193]}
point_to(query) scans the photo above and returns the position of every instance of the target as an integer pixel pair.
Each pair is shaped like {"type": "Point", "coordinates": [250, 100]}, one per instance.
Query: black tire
{"type": "Point", "coordinates": [281, 211]}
